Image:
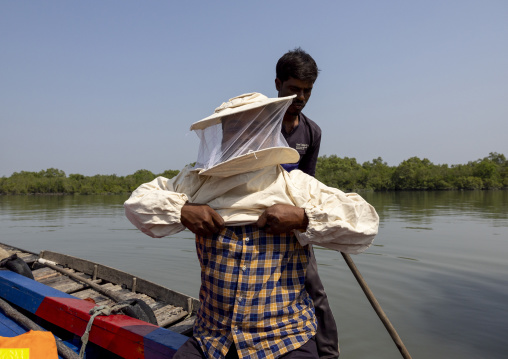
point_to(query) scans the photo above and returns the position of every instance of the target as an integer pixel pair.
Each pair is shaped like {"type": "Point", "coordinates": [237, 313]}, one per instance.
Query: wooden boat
{"type": "Point", "coordinates": [66, 289]}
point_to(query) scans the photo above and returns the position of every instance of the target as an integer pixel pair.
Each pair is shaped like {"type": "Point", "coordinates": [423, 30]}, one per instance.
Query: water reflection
{"type": "Point", "coordinates": [416, 207]}
{"type": "Point", "coordinates": [437, 267]}
{"type": "Point", "coordinates": [412, 206]}
{"type": "Point", "coordinates": [59, 211]}
{"type": "Point", "coordinates": [472, 313]}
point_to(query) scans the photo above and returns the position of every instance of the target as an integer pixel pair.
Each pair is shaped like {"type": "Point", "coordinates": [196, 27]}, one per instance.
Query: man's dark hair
{"type": "Point", "coordinates": [297, 64]}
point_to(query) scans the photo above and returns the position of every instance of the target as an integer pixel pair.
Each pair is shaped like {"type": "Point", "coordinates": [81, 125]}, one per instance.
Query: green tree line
{"type": "Point", "coordinates": [345, 173]}
{"type": "Point", "coordinates": [414, 173]}
{"type": "Point", "coordinates": [54, 181]}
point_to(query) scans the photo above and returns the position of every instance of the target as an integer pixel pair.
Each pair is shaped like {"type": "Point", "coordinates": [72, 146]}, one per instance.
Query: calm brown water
{"type": "Point", "coordinates": [438, 266]}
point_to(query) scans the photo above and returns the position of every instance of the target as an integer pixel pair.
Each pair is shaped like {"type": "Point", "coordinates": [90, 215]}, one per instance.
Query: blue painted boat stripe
{"type": "Point", "coordinates": [158, 343]}
{"type": "Point", "coordinates": [26, 292]}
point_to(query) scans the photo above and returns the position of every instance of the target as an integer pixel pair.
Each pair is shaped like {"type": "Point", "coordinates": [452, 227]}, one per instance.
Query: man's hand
{"type": "Point", "coordinates": [201, 219]}
{"type": "Point", "coordinates": [282, 218]}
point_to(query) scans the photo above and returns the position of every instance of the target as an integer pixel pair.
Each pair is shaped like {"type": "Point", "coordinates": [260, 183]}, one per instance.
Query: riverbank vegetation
{"type": "Point", "coordinates": [345, 173]}
{"type": "Point", "coordinates": [414, 173]}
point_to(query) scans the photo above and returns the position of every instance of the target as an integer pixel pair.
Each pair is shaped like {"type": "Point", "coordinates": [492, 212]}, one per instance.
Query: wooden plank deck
{"type": "Point", "coordinates": [171, 308]}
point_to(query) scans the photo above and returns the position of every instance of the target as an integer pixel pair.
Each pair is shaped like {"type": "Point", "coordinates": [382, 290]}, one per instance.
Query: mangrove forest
{"type": "Point", "coordinates": [344, 173]}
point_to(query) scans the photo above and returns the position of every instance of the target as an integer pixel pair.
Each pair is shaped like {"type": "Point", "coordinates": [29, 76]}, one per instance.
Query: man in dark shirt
{"type": "Point", "coordinates": [305, 138]}
{"type": "Point", "coordinates": [296, 73]}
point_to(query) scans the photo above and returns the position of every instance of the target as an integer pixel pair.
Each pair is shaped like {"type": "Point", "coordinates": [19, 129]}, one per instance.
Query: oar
{"type": "Point", "coordinates": [381, 314]}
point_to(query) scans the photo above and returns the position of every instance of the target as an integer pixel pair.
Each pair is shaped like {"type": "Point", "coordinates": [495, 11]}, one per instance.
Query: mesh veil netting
{"type": "Point", "coordinates": [241, 133]}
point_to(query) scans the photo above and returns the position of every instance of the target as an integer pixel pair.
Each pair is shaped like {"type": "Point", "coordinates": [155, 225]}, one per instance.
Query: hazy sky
{"type": "Point", "coordinates": [110, 87]}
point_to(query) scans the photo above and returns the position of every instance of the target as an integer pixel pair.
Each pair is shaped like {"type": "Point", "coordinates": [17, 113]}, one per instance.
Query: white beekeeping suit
{"type": "Point", "coordinates": [238, 174]}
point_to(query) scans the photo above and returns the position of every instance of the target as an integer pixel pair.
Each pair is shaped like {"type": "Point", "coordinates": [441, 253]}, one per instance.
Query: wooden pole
{"type": "Point", "coordinates": [372, 299]}
{"type": "Point", "coordinates": [116, 297]}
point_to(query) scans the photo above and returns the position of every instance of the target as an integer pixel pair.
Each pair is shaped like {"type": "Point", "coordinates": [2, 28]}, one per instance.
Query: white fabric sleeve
{"type": "Point", "coordinates": [155, 208]}
{"type": "Point", "coordinates": [341, 221]}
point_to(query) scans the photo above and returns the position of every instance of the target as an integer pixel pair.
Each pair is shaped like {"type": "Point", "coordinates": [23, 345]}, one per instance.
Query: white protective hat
{"type": "Point", "coordinates": [243, 135]}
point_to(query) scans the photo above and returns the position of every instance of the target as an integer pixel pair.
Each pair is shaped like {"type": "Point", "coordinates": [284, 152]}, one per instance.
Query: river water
{"type": "Point", "coordinates": [438, 267]}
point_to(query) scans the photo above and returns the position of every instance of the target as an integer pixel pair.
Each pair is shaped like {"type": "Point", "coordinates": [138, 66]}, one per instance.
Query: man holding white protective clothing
{"type": "Point", "coordinates": [253, 222]}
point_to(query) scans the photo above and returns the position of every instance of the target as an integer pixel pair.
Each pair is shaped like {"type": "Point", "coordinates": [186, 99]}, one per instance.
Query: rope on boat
{"type": "Point", "coordinates": [95, 311]}
{"type": "Point", "coordinates": [139, 310]}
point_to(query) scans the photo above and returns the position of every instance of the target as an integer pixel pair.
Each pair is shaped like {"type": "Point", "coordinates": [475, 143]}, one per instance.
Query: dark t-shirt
{"type": "Point", "coordinates": [306, 139]}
